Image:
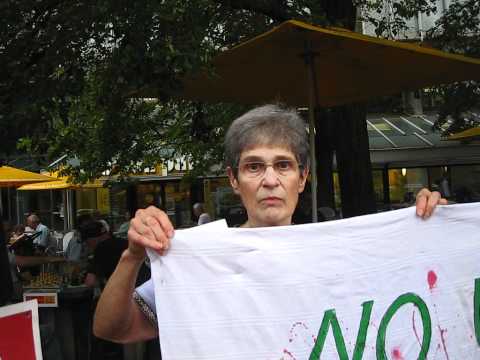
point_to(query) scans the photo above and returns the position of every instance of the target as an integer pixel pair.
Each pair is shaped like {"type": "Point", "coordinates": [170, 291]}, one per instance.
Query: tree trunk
{"type": "Point", "coordinates": [350, 134]}
{"type": "Point", "coordinates": [324, 147]}
{"type": "Point", "coordinates": [353, 161]}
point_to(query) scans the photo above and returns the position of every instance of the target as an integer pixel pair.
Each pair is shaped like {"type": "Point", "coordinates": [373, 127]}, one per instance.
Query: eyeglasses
{"type": "Point", "coordinates": [254, 169]}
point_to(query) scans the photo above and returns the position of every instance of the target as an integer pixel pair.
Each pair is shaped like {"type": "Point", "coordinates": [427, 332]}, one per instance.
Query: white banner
{"type": "Point", "coordinates": [385, 286]}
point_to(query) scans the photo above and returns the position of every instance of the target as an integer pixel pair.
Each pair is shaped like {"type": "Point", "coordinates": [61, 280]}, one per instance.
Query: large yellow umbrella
{"type": "Point", "coordinates": [13, 177]}
{"type": "Point", "coordinates": [301, 64]}
{"type": "Point", "coordinates": [466, 134]}
{"type": "Point", "coordinates": [346, 66]}
{"type": "Point", "coordinates": [59, 184]}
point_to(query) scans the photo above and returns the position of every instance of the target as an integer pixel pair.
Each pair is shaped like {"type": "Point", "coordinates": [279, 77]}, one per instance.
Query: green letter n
{"type": "Point", "coordinates": [330, 319]}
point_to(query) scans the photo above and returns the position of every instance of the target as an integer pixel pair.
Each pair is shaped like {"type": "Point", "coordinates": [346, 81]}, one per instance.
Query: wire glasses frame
{"type": "Point", "coordinates": [255, 169]}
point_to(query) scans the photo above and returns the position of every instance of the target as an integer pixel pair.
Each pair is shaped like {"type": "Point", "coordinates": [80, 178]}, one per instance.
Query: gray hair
{"type": "Point", "coordinates": [198, 206]}
{"type": "Point", "coordinates": [267, 125]}
{"type": "Point", "coordinates": [33, 218]}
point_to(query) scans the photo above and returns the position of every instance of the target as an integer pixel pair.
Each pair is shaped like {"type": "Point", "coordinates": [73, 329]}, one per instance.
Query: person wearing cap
{"type": "Point", "coordinates": [105, 251]}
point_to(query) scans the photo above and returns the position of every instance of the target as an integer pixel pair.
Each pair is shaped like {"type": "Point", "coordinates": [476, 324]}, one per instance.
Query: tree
{"type": "Point", "coordinates": [458, 31]}
{"type": "Point", "coordinates": [71, 69]}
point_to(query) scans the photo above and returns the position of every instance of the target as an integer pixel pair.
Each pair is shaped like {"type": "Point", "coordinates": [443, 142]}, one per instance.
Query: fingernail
{"type": "Point", "coordinates": [170, 233]}
{"type": "Point", "coordinates": [420, 212]}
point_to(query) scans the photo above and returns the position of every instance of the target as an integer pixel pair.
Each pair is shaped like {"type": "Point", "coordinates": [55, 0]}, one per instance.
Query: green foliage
{"type": "Point", "coordinates": [72, 72]}
{"type": "Point", "coordinates": [390, 17]}
{"type": "Point", "coordinates": [458, 31]}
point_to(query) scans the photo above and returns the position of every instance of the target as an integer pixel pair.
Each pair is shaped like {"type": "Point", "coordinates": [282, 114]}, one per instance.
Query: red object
{"type": "Point", "coordinates": [432, 279]}
{"type": "Point", "coordinates": [16, 337]}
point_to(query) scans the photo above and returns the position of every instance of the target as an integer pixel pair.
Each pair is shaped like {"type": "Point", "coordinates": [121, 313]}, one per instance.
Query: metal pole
{"type": "Point", "coordinates": [18, 207]}
{"type": "Point", "coordinates": [1, 202]}
{"type": "Point", "coordinates": [9, 205]}
{"type": "Point", "coordinates": [313, 94]}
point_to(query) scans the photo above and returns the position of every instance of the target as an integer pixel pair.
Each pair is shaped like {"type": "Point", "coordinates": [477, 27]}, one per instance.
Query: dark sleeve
{"type": "Point", "coordinates": [6, 287]}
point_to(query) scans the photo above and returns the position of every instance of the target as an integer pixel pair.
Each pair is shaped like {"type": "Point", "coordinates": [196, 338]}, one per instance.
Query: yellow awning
{"type": "Point", "coordinates": [348, 67]}
{"type": "Point", "coordinates": [61, 184]}
{"type": "Point", "coordinates": [10, 176]}
{"type": "Point", "coordinates": [466, 134]}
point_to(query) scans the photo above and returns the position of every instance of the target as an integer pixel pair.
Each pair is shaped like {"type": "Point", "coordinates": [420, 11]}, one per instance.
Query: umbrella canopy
{"type": "Point", "coordinates": [301, 64]}
{"type": "Point", "coordinates": [60, 184]}
{"type": "Point", "coordinates": [10, 176]}
{"type": "Point", "coordinates": [348, 66]}
{"type": "Point", "coordinates": [466, 134]}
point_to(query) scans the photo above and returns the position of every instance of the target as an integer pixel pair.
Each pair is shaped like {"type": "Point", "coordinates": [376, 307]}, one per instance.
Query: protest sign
{"type": "Point", "coordinates": [19, 332]}
{"type": "Point", "coordinates": [385, 286]}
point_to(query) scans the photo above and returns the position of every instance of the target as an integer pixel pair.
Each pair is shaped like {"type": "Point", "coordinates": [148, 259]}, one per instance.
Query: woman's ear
{"type": "Point", "coordinates": [233, 180]}
{"type": "Point", "coordinates": [303, 179]}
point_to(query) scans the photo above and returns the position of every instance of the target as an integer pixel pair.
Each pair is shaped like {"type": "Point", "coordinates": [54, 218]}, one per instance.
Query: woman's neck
{"type": "Point", "coordinates": [249, 224]}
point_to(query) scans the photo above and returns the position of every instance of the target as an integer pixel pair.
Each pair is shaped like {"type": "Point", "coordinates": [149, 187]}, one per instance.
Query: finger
{"type": "Point", "coordinates": [421, 203]}
{"type": "Point", "coordinates": [143, 235]}
{"type": "Point", "coordinates": [138, 239]}
{"type": "Point", "coordinates": [162, 219]}
{"type": "Point", "coordinates": [443, 201]}
{"type": "Point", "coordinates": [432, 203]}
{"type": "Point", "coordinates": [158, 231]}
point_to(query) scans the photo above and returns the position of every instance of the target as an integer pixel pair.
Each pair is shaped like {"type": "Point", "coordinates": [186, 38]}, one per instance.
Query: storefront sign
{"type": "Point", "coordinates": [387, 286]}
{"type": "Point", "coordinates": [44, 299]}
{"type": "Point", "coordinates": [19, 332]}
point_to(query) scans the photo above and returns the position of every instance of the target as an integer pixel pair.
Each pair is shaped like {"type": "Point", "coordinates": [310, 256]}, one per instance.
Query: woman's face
{"type": "Point", "coordinates": [270, 197]}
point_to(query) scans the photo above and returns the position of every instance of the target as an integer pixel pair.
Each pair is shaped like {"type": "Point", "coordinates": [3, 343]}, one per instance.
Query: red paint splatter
{"type": "Point", "coordinates": [415, 329]}
{"type": "Point", "coordinates": [442, 337]}
{"type": "Point", "coordinates": [286, 352]}
{"type": "Point", "coordinates": [294, 333]}
{"type": "Point", "coordinates": [432, 279]}
{"type": "Point", "coordinates": [397, 354]}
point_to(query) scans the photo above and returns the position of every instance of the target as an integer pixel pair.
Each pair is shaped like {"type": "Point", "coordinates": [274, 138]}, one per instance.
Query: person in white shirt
{"type": "Point", "coordinates": [267, 162]}
{"type": "Point", "coordinates": [35, 226]}
{"type": "Point", "coordinates": [201, 214]}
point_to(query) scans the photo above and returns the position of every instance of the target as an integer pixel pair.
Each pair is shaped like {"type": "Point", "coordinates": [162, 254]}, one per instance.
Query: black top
{"type": "Point", "coordinates": [106, 256]}
{"type": "Point", "coordinates": [6, 285]}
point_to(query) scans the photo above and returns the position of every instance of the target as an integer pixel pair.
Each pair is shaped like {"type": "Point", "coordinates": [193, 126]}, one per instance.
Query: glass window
{"type": "Point", "coordinates": [404, 185]}
{"type": "Point", "coordinates": [465, 183]}
{"type": "Point", "coordinates": [47, 204]}
{"type": "Point", "coordinates": [440, 180]}
{"type": "Point", "coordinates": [118, 212]}
{"type": "Point", "coordinates": [177, 204]}
{"type": "Point", "coordinates": [149, 194]}
{"type": "Point", "coordinates": [378, 188]}
{"type": "Point", "coordinates": [86, 201]}
{"type": "Point", "coordinates": [221, 201]}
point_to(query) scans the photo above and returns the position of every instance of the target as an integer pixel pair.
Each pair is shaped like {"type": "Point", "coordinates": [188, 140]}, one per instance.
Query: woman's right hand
{"type": "Point", "coordinates": [150, 228]}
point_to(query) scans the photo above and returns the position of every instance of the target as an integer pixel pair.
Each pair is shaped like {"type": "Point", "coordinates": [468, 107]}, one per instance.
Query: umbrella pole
{"type": "Point", "coordinates": [313, 95]}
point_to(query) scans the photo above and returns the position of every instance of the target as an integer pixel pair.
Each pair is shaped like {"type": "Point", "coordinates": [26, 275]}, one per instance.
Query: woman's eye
{"type": "Point", "coordinates": [284, 165]}
{"type": "Point", "coordinates": [254, 167]}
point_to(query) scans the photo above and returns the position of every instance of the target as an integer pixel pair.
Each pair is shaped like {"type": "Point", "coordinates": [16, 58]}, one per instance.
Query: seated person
{"type": "Point", "coordinates": [73, 246]}
{"type": "Point", "coordinates": [36, 227]}
{"type": "Point", "coordinates": [201, 214]}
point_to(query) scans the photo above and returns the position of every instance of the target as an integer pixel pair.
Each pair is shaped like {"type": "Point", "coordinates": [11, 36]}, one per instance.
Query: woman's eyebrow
{"type": "Point", "coordinates": [261, 159]}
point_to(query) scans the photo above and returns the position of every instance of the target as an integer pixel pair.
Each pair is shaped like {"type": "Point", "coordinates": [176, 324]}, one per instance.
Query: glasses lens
{"type": "Point", "coordinates": [253, 169]}
{"type": "Point", "coordinates": [258, 168]}
{"type": "Point", "coordinates": [284, 167]}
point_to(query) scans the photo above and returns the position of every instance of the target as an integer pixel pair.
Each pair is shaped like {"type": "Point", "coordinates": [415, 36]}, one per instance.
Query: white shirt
{"type": "Point", "coordinates": [203, 219]}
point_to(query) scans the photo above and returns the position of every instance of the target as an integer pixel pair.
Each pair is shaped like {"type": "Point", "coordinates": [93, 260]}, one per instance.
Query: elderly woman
{"type": "Point", "coordinates": [267, 163]}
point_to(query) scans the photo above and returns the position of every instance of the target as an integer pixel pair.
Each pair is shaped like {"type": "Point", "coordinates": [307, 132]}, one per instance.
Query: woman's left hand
{"type": "Point", "coordinates": [427, 201]}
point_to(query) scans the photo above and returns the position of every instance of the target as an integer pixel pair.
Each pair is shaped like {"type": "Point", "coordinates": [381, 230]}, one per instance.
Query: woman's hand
{"type": "Point", "coordinates": [427, 201]}
{"type": "Point", "coordinates": [150, 228]}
